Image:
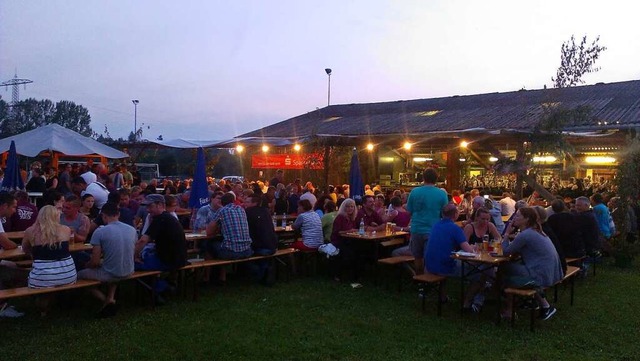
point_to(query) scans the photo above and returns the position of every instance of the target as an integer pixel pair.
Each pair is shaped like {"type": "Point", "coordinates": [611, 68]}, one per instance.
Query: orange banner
{"type": "Point", "coordinates": [288, 161]}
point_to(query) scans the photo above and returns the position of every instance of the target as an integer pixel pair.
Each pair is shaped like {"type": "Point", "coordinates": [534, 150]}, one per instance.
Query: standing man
{"type": "Point", "coordinates": [99, 191]}
{"type": "Point", "coordinates": [89, 176]}
{"type": "Point", "coordinates": [279, 178]}
{"type": "Point", "coordinates": [126, 175]}
{"type": "Point", "coordinates": [424, 205]}
{"type": "Point", "coordinates": [115, 244]}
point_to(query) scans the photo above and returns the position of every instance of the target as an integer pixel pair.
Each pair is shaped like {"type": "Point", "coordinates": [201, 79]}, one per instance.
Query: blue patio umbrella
{"type": "Point", "coordinates": [199, 194]}
{"type": "Point", "coordinates": [12, 178]}
{"type": "Point", "coordinates": [356, 185]}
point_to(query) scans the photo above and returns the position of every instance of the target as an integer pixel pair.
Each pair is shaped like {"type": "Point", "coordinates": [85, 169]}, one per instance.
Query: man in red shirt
{"type": "Point", "coordinates": [372, 221]}
{"type": "Point", "coordinates": [25, 215]}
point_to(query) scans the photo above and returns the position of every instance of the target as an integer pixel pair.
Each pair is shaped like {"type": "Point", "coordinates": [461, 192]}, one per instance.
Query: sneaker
{"type": "Point", "coordinates": [476, 308]}
{"type": "Point", "coordinates": [10, 312]}
{"type": "Point", "coordinates": [547, 313]}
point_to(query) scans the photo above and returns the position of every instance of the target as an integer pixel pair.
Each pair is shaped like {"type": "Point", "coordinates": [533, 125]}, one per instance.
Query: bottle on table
{"type": "Point", "coordinates": [361, 229]}
{"type": "Point", "coordinates": [284, 220]}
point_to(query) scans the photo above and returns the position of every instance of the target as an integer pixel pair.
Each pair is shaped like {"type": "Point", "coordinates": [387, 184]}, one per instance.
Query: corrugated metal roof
{"type": "Point", "coordinates": [614, 103]}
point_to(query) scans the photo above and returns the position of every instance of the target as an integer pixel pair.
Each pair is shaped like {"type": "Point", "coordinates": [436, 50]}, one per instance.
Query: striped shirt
{"type": "Point", "coordinates": [235, 229]}
{"type": "Point", "coordinates": [310, 226]}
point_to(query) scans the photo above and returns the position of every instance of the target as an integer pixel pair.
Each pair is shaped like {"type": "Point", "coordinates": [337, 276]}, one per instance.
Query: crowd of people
{"type": "Point", "coordinates": [132, 227]}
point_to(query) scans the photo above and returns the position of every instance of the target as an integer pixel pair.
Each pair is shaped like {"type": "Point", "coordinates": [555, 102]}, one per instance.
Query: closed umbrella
{"type": "Point", "coordinates": [199, 194]}
{"type": "Point", "coordinates": [356, 185]}
{"type": "Point", "coordinates": [12, 178]}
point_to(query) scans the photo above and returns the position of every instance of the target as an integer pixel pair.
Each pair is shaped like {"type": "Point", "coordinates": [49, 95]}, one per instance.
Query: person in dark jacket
{"type": "Point", "coordinates": [564, 225]}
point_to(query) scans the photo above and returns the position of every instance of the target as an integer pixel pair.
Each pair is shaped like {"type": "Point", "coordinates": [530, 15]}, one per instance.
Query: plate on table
{"type": "Point", "coordinates": [465, 254]}
{"type": "Point", "coordinates": [195, 260]}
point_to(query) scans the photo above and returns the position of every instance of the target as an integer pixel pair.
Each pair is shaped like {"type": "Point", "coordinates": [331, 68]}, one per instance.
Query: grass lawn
{"type": "Point", "coordinates": [314, 318]}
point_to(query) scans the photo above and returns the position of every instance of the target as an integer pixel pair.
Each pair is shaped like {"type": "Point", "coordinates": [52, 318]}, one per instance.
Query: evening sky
{"type": "Point", "coordinates": [217, 69]}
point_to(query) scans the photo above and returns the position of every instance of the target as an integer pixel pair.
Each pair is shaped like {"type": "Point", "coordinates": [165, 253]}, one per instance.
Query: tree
{"type": "Point", "coordinates": [72, 116]}
{"type": "Point", "coordinates": [575, 61]}
{"type": "Point", "coordinates": [31, 113]}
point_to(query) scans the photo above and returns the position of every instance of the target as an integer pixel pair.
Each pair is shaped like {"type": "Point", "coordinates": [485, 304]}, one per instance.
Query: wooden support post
{"type": "Point", "coordinates": [453, 169]}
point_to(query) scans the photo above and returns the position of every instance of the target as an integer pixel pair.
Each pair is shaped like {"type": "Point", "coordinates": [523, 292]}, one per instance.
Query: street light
{"type": "Point", "coordinates": [328, 71]}
{"type": "Point", "coordinates": [135, 118]}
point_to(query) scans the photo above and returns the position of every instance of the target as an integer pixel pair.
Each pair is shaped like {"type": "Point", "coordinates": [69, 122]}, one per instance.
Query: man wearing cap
{"type": "Point", "coordinates": [163, 245]}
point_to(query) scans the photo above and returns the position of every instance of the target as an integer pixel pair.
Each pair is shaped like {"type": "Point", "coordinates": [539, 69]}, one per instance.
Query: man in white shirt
{"type": "Point", "coordinates": [310, 197]}
{"type": "Point", "coordinates": [89, 177]}
{"type": "Point", "coordinates": [507, 204]}
{"type": "Point", "coordinates": [99, 192]}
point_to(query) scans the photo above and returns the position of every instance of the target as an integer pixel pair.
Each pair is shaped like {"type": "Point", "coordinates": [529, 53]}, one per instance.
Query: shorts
{"type": "Point", "coordinates": [417, 244]}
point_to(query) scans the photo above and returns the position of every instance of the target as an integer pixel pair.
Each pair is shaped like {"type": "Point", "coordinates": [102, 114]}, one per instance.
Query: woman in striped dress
{"type": "Point", "coordinates": [47, 241]}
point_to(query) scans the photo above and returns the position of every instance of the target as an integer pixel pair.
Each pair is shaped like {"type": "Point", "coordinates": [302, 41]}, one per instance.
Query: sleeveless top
{"type": "Point", "coordinates": [474, 238]}
{"type": "Point", "coordinates": [52, 266]}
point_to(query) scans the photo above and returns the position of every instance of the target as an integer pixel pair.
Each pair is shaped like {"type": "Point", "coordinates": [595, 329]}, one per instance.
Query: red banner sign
{"type": "Point", "coordinates": [288, 161]}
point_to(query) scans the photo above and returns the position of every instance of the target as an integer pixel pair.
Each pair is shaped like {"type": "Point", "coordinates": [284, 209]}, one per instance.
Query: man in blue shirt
{"type": "Point", "coordinates": [424, 205]}
{"type": "Point", "coordinates": [446, 237]}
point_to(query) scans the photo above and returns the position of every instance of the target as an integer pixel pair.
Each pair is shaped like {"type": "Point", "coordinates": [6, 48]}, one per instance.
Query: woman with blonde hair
{"type": "Point", "coordinates": [47, 241]}
{"type": "Point", "coordinates": [345, 221]}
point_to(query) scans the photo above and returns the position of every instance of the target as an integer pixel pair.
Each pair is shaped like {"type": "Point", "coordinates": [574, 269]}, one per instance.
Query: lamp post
{"type": "Point", "coordinates": [135, 118]}
{"type": "Point", "coordinates": [328, 71]}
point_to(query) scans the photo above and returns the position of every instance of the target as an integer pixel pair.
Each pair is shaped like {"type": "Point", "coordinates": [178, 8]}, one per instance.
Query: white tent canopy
{"type": "Point", "coordinates": [55, 138]}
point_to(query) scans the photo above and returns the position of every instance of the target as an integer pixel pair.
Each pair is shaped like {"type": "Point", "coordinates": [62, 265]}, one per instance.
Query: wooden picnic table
{"type": "Point", "coordinates": [17, 253]}
{"type": "Point", "coordinates": [375, 238]}
{"type": "Point", "coordinates": [287, 217]}
{"type": "Point", "coordinates": [479, 263]}
{"type": "Point", "coordinates": [15, 236]}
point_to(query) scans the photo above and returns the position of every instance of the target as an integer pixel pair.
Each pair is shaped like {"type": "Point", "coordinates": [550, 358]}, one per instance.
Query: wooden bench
{"type": "Point", "coordinates": [397, 261]}
{"type": "Point", "coordinates": [579, 261]}
{"type": "Point", "coordinates": [522, 293]}
{"type": "Point", "coordinates": [196, 266]}
{"type": "Point", "coordinates": [80, 283]}
{"type": "Point", "coordinates": [571, 274]}
{"type": "Point", "coordinates": [436, 282]}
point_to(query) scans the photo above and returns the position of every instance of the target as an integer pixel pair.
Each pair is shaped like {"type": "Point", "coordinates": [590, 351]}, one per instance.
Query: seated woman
{"type": "Point", "coordinates": [345, 222]}
{"type": "Point", "coordinates": [399, 215]}
{"type": "Point", "coordinates": [88, 207]}
{"type": "Point", "coordinates": [480, 227]}
{"type": "Point", "coordinates": [539, 266]}
{"type": "Point", "coordinates": [475, 232]}
{"type": "Point", "coordinates": [310, 225]}
{"type": "Point", "coordinates": [47, 241]}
